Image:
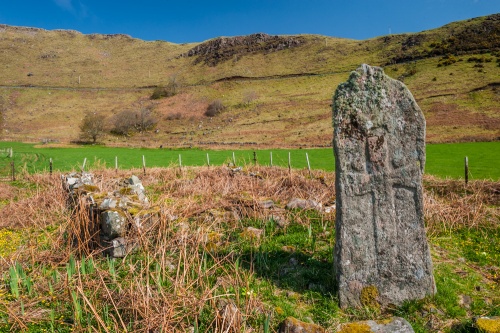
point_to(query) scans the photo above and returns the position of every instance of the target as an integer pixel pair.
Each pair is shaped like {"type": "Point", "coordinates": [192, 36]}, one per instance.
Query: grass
{"type": "Point", "coordinates": [459, 101]}
{"type": "Point", "coordinates": [443, 160]}
{"type": "Point", "coordinates": [190, 270]}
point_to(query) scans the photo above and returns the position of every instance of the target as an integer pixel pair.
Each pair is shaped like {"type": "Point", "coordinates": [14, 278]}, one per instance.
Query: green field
{"type": "Point", "coordinates": [443, 160]}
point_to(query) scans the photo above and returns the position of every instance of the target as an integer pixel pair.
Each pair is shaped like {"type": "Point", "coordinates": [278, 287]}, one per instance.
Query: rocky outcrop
{"type": "Point", "coordinates": [221, 49]}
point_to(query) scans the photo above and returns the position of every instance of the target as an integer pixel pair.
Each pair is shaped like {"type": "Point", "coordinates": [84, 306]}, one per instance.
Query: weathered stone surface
{"type": "Point", "coordinates": [107, 203]}
{"type": "Point", "coordinates": [293, 325]}
{"type": "Point", "coordinates": [252, 233]}
{"type": "Point", "coordinates": [119, 247]}
{"type": "Point", "coordinates": [488, 324]}
{"type": "Point", "coordinates": [266, 204]}
{"type": "Point", "coordinates": [113, 224]}
{"type": "Point", "coordinates": [393, 325]}
{"type": "Point", "coordinates": [303, 204]}
{"type": "Point", "coordinates": [381, 251]}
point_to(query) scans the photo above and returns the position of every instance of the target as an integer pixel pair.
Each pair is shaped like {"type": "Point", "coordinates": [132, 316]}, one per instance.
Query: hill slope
{"type": "Point", "coordinates": [276, 89]}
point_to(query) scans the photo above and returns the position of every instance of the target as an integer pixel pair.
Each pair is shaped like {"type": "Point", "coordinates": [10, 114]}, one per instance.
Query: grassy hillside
{"type": "Point", "coordinates": [276, 90]}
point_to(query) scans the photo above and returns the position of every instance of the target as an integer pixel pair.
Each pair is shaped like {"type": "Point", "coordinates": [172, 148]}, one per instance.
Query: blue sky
{"type": "Point", "coordinates": [195, 21]}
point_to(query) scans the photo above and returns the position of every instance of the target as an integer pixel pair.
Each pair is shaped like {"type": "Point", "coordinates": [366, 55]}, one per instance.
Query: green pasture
{"type": "Point", "coordinates": [443, 160]}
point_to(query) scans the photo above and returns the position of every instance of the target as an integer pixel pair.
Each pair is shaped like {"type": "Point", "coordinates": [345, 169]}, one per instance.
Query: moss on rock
{"type": "Point", "coordinates": [368, 297]}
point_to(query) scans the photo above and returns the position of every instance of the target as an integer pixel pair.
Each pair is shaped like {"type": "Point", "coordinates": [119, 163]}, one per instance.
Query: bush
{"type": "Point", "coordinates": [129, 121]}
{"type": "Point", "coordinates": [214, 108]}
{"type": "Point", "coordinates": [169, 90]}
{"type": "Point", "coordinates": [174, 116]}
{"type": "Point", "coordinates": [447, 60]}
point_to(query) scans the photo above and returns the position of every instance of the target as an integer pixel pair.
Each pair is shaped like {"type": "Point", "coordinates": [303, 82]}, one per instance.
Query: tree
{"type": "Point", "coordinates": [145, 120]}
{"type": "Point", "coordinates": [92, 126]}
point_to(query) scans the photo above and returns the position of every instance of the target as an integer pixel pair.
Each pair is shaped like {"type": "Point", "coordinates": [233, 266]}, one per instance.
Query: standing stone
{"type": "Point", "coordinates": [381, 252]}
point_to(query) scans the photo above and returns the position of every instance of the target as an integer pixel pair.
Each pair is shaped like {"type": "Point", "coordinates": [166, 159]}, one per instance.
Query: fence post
{"type": "Point", "coordinates": [254, 157]}
{"type": "Point", "coordinates": [234, 160]}
{"type": "Point", "coordinates": [180, 161]}
{"type": "Point", "coordinates": [466, 170]}
{"type": "Point", "coordinates": [116, 164]}
{"type": "Point", "coordinates": [289, 163]}
{"type": "Point", "coordinates": [271, 158]}
{"type": "Point", "coordinates": [50, 166]}
{"type": "Point", "coordinates": [13, 171]}
{"type": "Point", "coordinates": [208, 160]}
{"type": "Point", "coordinates": [144, 164]}
{"type": "Point", "coordinates": [11, 153]}
{"type": "Point", "coordinates": [308, 165]}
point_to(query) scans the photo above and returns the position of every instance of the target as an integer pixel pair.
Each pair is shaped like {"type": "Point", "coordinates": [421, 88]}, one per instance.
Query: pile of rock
{"type": "Point", "coordinates": [121, 215]}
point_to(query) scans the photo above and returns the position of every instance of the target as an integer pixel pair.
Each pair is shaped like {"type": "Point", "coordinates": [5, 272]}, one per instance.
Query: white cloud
{"type": "Point", "coordinates": [66, 5]}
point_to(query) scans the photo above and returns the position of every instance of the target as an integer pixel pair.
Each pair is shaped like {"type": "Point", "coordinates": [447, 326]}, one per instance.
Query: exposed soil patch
{"type": "Point", "coordinates": [441, 114]}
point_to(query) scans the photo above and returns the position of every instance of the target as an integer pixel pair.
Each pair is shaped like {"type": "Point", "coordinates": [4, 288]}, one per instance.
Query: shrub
{"type": "Point", "coordinates": [129, 121]}
{"type": "Point", "coordinates": [174, 116]}
{"type": "Point", "coordinates": [171, 89]}
{"type": "Point", "coordinates": [214, 108]}
{"type": "Point", "coordinates": [447, 60]}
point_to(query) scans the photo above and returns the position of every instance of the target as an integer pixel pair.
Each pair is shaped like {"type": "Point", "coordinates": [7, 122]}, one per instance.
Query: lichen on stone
{"type": "Point", "coordinates": [368, 297]}
{"type": "Point", "coordinates": [488, 325]}
{"type": "Point", "coordinates": [358, 327]}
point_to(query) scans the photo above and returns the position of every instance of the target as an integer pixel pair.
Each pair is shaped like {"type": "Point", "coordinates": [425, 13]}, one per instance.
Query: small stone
{"type": "Point", "coordinates": [134, 180]}
{"type": "Point", "coordinates": [329, 209]}
{"type": "Point", "coordinates": [465, 301]}
{"type": "Point", "coordinates": [120, 247]}
{"type": "Point", "coordinates": [488, 324]}
{"type": "Point", "coordinates": [392, 325]}
{"type": "Point", "coordinates": [293, 325]}
{"type": "Point", "coordinates": [266, 204]}
{"type": "Point", "coordinates": [303, 204]}
{"type": "Point", "coordinates": [252, 233]}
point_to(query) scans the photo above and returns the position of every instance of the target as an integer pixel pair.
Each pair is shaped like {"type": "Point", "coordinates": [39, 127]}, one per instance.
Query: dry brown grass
{"type": "Point", "coordinates": [167, 283]}
{"type": "Point", "coordinates": [450, 204]}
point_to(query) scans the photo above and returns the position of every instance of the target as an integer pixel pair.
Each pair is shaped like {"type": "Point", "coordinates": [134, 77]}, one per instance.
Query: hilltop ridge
{"type": "Point", "coordinates": [276, 89]}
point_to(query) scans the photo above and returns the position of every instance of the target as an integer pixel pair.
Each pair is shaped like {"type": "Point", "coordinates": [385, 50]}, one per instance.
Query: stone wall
{"type": "Point", "coordinates": [121, 216]}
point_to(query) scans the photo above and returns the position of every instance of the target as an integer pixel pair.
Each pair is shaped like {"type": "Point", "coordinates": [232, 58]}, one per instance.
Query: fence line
{"type": "Point", "coordinates": [11, 174]}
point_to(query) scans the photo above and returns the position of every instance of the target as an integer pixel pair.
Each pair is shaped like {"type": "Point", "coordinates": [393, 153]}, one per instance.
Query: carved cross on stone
{"type": "Point", "coordinates": [381, 251]}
